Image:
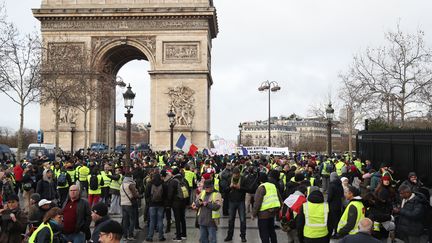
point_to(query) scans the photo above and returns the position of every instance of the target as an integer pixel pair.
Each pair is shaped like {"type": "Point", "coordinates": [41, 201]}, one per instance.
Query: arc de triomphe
{"type": "Point", "coordinates": [174, 36]}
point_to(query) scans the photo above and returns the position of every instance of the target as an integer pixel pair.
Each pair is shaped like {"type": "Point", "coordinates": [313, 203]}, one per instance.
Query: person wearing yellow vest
{"type": "Point", "coordinates": [105, 195]}
{"type": "Point", "coordinates": [326, 168]}
{"type": "Point", "coordinates": [339, 165]}
{"type": "Point", "coordinates": [359, 165]}
{"type": "Point", "coordinates": [114, 191]}
{"type": "Point", "coordinates": [49, 230]}
{"type": "Point", "coordinates": [266, 207]}
{"type": "Point", "coordinates": [83, 173]}
{"type": "Point", "coordinates": [95, 182]}
{"type": "Point", "coordinates": [191, 178]}
{"type": "Point", "coordinates": [208, 204]}
{"type": "Point", "coordinates": [354, 212]}
{"type": "Point", "coordinates": [313, 218]}
{"type": "Point", "coordinates": [63, 180]}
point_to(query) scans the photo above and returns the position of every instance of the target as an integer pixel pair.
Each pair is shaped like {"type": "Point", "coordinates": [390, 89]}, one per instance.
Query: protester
{"type": "Point", "coordinates": [100, 218]}
{"type": "Point", "coordinates": [364, 233]}
{"type": "Point", "coordinates": [129, 196]}
{"type": "Point", "coordinates": [50, 228]}
{"type": "Point", "coordinates": [77, 217]}
{"type": "Point", "coordinates": [354, 212]}
{"type": "Point", "coordinates": [111, 232]}
{"type": "Point", "coordinates": [176, 196]}
{"type": "Point", "coordinates": [155, 196]}
{"type": "Point", "coordinates": [13, 221]}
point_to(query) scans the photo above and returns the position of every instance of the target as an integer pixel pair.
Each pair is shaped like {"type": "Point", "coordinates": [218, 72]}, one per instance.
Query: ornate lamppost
{"type": "Point", "coordinates": [171, 118]}
{"type": "Point", "coordinates": [240, 126]}
{"type": "Point", "coordinates": [148, 126]}
{"type": "Point", "coordinates": [128, 97]}
{"type": "Point", "coordinates": [329, 114]}
{"type": "Point", "coordinates": [73, 129]}
{"type": "Point", "coordinates": [271, 86]}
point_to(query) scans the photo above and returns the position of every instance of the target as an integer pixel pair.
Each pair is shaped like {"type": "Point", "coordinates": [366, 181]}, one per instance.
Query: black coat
{"type": "Point", "coordinates": [47, 190]}
{"type": "Point", "coordinates": [359, 238]}
{"type": "Point", "coordinates": [411, 217]}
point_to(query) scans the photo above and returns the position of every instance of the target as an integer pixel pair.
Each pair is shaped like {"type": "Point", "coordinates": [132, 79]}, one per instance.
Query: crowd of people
{"type": "Point", "coordinates": [312, 198]}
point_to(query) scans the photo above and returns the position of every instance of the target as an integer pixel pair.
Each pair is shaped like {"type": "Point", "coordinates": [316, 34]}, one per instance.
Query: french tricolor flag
{"type": "Point", "coordinates": [185, 145]}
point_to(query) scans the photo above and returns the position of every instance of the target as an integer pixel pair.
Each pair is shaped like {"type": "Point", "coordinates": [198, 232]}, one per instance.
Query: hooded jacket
{"type": "Point", "coordinates": [411, 217]}
{"type": "Point", "coordinates": [314, 197]}
{"type": "Point", "coordinates": [46, 187]}
{"type": "Point", "coordinates": [156, 181]}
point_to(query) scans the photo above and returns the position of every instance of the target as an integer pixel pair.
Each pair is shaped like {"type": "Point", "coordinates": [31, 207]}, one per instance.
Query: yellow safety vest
{"type": "Point", "coordinates": [56, 172]}
{"type": "Point", "coordinates": [271, 199]}
{"type": "Point", "coordinates": [283, 178]}
{"type": "Point", "coordinates": [358, 164]}
{"type": "Point", "coordinates": [41, 226]}
{"type": "Point", "coordinates": [189, 176]}
{"type": "Point", "coordinates": [98, 190]}
{"type": "Point", "coordinates": [376, 226]}
{"type": "Point", "coordinates": [115, 184]}
{"type": "Point", "coordinates": [216, 182]}
{"type": "Point", "coordinates": [360, 215]}
{"type": "Point", "coordinates": [324, 170]}
{"type": "Point", "coordinates": [215, 213]}
{"type": "Point", "coordinates": [106, 179]}
{"type": "Point", "coordinates": [312, 180]}
{"type": "Point", "coordinates": [316, 216]}
{"type": "Point", "coordinates": [72, 174]}
{"type": "Point", "coordinates": [339, 166]}
{"type": "Point", "coordinates": [83, 172]}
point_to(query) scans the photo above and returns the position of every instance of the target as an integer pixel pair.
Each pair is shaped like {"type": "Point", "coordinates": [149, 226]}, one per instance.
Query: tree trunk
{"type": "Point", "coordinates": [20, 132]}
{"type": "Point", "coordinates": [57, 134]}
{"type": "Point", "coordinates": [85, 129]}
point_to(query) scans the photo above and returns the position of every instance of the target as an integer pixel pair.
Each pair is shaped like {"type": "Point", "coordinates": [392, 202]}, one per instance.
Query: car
{"type": "Point", "coordinates": [120, 149]}
{"type": "Point", "coordinates": [36, 150]}
{"type": "Point", "coordinates": [6, 153]}
{"type": "Point", "coordinates": [99, 147]}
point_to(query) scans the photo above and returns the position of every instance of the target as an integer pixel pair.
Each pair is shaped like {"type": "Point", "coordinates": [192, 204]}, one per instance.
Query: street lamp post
{"type": "Point", "coordinates": [128, 97]}
{"type": "Point", "coordinates": [72, 126]}
{"type": "Point", "coordinates": [148, 133]}
{"type": "Point", "coordinates": [271, 86]}
{"type": "Point", "coordinates": [171, 118]}
{"type": "Point", "coordinates": [240, 130]}
{"type": "Point", "coordinates": [329, 114]}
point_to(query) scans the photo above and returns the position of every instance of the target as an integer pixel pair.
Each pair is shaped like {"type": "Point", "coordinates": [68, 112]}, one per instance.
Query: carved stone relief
{"type": "Point", "coordinates": [68, 115]}
{"type": "Point", "coordinates": [65, 55]}
{"type": "Point", "coordinates": [182, 103]}
{"type": "Point", "coordinates": [148, 41]}
{"type": "Point", "coordinates": [123, 24]}
{"type": "Point", "coordinates": [181, 51]}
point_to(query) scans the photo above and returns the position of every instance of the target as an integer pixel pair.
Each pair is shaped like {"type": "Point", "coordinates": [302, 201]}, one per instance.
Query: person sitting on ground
{"type": "Point", "coordinates": [364, 233]}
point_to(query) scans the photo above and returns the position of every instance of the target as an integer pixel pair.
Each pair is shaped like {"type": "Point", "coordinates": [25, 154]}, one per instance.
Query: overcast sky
{"type": "Point", "coordinates": [301, 44]}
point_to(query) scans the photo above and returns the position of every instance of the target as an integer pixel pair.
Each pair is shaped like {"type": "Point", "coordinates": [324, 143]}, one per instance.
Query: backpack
{"type": "Point", "coordinates": [286, 217]}
{"type": "Point", "coordinates": [251, 182]}
{"type": "Point", "coordinates": [156, 193]}
{"type": "Point", "coordinates": [328, 167]}
{"type": "Point", "coordinates": [182, 190]}
{"type": "Point", "coordinates": [61, 180]}
{"type": "Point", "coordinates": [94, 182]}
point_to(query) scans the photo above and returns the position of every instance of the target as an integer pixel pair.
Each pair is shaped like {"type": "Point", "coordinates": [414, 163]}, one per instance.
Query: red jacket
{"type": "Point", "coordinates": [18, 171]}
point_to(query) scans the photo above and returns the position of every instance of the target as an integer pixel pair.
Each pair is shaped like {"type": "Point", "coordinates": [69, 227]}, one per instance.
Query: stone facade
{"type": "Point", "coordinates": [174, 36]}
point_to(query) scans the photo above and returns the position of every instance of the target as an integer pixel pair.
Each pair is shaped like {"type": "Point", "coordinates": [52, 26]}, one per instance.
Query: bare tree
{"type": "Point", "coordinates": [393, 76]}
{"type": "Point", "coordinates": [20, 60]}
{"type": "Point", "coordinates": [59, 85]}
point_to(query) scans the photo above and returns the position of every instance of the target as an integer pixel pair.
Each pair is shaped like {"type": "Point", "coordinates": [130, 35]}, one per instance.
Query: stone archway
{"type": "Point", "coordinates": [175, 37]}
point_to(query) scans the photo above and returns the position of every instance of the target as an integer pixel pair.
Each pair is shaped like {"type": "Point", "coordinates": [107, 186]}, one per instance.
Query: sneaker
{"type": "Point", "coordinates": [162, 239]}
{"type": "Point", "coordinates": [183, 237]}
{"type": "Point", "coordinates": [228, 239]}
{"type": "Point", "coordinates": [131, 238]}
{"type": "Point", "coordinates": [177, 240]}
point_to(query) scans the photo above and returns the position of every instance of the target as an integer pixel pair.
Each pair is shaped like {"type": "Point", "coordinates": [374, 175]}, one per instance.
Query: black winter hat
{"type": "Point", "coordinates": [100, 209]}
{"type": "Point", "coordinates": [112, 227]}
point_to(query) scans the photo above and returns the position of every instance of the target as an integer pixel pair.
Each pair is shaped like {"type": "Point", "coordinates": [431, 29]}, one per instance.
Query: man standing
{"type": "Point", "coordinates": [106, 185]}
{"type": "Point", "coordinates": [100, 216]}
{"type": "Point", "coordinates": [128, 201]}
{"type": "Point", "coordinates": [13, 221]}
{"type": "Point", "coordinates": [266, 207]}
{"type": "Point", "coordinates": [111, 232]}
{"type": "Point", "coordinates": [354, 212]}
{"type": "Point", "coordinates": [364, 233]}
{"type": "Point", "coordinates": [411, 216]}
{"type": "Point", "coordinates": [76, 217]}
{"type": "Point", "coordinates": [236, 196]}
{"type": "Point", "coordinates": [178, 204]}
{"type": "Point", "coordinates": [208, 204]}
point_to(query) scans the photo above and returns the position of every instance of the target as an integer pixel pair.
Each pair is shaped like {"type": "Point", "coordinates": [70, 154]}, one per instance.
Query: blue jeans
{"type": "Point", "coordinates": [76, 237]}
{"type": "Point", "coordinates": [233, 208]}
{"type": "Point", "coordinates": [156, 216]}
{"type": "Point", "coordinates": [128, 219]}
{"type": "Point", "coordinates": [207, 234]}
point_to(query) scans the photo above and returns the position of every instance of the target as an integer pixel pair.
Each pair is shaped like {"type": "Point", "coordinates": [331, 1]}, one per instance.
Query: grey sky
{"type": "Point", "coordinates": [302, 45]}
